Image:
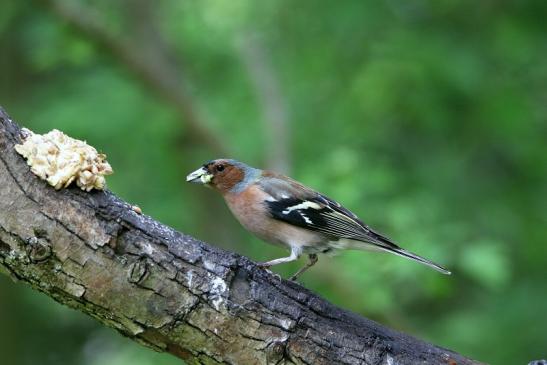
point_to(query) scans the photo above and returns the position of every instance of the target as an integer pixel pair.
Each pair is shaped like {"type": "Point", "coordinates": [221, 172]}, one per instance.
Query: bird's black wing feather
{"type": "Point", "coordinates": [293, 203]}
{"type": "Point", "coordinates": [299, 212]}
{"type": "Point", "coordinates": [370, 235]}
{"type": "Point", "coordinates": [323, 215]}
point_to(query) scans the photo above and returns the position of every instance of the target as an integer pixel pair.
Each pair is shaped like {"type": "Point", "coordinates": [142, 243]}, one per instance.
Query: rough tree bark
{"type": "Point", "coordinates": [171, 292]}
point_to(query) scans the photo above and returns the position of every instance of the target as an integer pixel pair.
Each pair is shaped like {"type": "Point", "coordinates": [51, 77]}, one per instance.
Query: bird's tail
{"type": "Point", "coordinates": [412, 256]}
{"type": "Point", "coordinates": [388, 246]}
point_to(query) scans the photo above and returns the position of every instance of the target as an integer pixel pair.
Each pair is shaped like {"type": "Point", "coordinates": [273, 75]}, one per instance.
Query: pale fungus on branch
{"type": "Point", "coordinates": [60, 160]}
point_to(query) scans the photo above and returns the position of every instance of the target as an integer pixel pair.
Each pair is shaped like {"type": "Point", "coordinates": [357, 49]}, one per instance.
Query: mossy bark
{"type": "Point", "coordinates": [171, 292]}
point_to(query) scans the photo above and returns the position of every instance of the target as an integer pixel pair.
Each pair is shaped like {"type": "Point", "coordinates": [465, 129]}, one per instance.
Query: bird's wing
{"type": "Point", "coordinates": [296, 204]}
{"type": "Point", "coordinates": [293, 203]}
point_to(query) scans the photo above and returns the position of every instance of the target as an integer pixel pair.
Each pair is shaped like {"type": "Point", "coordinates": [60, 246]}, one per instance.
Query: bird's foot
{"type": "Point", "coordinates": [264, 266]}
{"type": "Point", "coordinates": [293, 277]}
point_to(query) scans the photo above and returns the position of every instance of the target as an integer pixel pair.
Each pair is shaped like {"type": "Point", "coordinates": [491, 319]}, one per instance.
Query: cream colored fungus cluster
{"type": "Point", "coordinates": [60, 160]}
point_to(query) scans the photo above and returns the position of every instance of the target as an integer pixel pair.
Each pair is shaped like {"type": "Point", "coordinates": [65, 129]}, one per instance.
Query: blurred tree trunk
{"type": "Point", "coordinates": [276, 122]}
{"type": "Point", "coordinates": [171, 292]}
{"type": "Point", "coordinates": [145, 54]}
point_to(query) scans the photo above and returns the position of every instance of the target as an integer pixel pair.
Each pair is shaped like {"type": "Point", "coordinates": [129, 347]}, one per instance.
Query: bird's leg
{"type": "Point", "coordinates": [294, 256]}
{"type": "Point", "coordinates": [313, 260]}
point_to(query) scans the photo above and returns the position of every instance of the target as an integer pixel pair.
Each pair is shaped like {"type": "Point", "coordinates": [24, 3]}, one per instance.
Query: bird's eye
{"type": "Point", "coordinates": [219, 168]}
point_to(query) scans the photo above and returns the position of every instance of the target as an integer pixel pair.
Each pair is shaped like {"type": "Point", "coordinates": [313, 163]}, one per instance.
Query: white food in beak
{"type": "Point", "coordinates": [200, 176]}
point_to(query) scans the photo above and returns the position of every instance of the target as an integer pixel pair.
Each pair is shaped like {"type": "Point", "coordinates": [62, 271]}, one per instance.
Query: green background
{"type": "Point", "coordinates": [426, 118]}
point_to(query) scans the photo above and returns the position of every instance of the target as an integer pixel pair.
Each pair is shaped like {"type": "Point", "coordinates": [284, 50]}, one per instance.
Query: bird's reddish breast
{"type": "Point", "coordinates": [248, 207]}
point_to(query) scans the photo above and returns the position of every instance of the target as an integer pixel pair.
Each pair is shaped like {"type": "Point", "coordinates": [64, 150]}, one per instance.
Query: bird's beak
{"type": "Point", "coordinates": [200, 176]}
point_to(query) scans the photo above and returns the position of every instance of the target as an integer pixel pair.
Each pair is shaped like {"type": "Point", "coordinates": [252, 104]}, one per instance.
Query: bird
{"type": "Point", "coordinates": [285, 212]}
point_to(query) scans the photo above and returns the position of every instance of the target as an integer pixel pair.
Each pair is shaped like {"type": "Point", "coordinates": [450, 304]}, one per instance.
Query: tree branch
{"type": "Point", "coordinates": [171, 292]}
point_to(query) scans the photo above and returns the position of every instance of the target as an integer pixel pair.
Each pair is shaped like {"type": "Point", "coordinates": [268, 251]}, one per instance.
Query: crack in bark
{"type": "Point", "coordinates": [171, 292]}
{"type": "Point", "coordinates": [14, 178]}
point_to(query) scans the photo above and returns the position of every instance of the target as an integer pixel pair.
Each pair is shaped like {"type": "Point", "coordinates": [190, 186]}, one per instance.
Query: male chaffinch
{"type": "Point", "coordinates": [284, 212]}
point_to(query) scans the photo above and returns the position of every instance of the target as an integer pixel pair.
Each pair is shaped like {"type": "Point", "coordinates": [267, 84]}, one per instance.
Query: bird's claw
{"type": "Point", "coordinates": [267, 269]}
{"type": "Point", "coordinates": [293, 278]}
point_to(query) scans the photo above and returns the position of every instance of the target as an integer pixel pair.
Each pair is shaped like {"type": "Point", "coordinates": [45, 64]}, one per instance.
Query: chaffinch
{"type": "Point", "coordinates": [284, 212]}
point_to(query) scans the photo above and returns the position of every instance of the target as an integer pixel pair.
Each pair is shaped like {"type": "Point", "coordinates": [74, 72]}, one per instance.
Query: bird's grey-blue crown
{"type": "Point", "coordinates": [250, 174]}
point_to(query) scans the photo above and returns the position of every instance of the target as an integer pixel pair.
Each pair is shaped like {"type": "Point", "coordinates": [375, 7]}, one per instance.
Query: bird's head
{"type": "Point", "coordinates": [225, 175]}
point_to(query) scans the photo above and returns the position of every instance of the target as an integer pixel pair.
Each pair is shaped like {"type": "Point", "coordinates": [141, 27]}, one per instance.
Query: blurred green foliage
{"type": "Point", "coordinates": [426, 118]}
